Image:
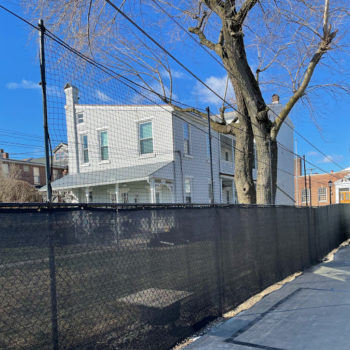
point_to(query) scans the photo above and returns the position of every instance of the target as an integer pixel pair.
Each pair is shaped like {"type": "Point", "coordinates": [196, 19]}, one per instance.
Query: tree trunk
{"type": "Point", "coordinates": [267, 170]}
{"type": "Point", "coordinates": [244, 157]}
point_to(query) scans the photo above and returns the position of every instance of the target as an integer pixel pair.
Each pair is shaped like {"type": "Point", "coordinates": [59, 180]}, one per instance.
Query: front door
{"type": "Point", "coordinates": [344, 196]}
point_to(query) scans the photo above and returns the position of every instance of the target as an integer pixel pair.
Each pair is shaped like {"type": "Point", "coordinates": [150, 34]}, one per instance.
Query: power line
{"type": "Point", "coordinates": [100, 66]}
{"type": "Point", "coordinates": [221, 64]}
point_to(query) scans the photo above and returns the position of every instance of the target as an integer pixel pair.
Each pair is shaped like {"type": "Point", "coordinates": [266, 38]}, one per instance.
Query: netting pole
{"type": "Point", "coordinates": [46, 129]}
{"type": "Point", "coordinates": [52, 265]}
{"type": "Point", "coordinates": [211, 158]}
{"type": "Point", "coordinates": [306, 199]}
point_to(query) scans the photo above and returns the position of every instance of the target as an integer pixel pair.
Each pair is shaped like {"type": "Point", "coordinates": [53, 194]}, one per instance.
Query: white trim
{"type": "Point", "coordinates": [139, 122]}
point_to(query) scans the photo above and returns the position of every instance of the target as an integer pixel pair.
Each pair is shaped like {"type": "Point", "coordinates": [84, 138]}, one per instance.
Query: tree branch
{"type": "Point", "coordinates": [244, 10]}
{"type": "Point", "coordinates": [323, 47]}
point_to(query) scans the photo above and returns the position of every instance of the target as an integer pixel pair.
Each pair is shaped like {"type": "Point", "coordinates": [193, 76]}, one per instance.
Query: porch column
{"type": "Point", "coordinates": [116, 191]}
{"type": "Point", "coordinates": [152, 191]}
{"type": "Point", "coordinates": [233, 192]}
{"type": "Point", "coordinates": [221, 201]}
{"type": "Point", "coordinates": [87, 191]}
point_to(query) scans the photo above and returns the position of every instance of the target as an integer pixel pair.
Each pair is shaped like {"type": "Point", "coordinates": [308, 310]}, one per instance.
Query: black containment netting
{"type": "Point", "coordinates": [147, 277]}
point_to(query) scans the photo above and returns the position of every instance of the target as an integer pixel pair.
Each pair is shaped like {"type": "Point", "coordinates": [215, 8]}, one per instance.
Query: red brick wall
{"type": "Point", "coordinates": [317, 181]}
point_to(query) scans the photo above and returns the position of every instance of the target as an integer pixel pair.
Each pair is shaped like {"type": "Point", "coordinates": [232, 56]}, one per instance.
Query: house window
{"type": "Point", "coordinates": [104, 145]}
{"type": "Point", "coordinates": [188, 190]}
{"type": "Point", "coordinates": [80, 118]}
{"type": "Point", "coordinates": [26, 168]}
{"type": "Point", "coordinates": [90, 196]}
{"type": "Point", "coordinates": [84, 141]}
{"type": "Point", "coordinates": [113, 197]}
{"type": "Point", "coordinates": [322, 194]}
{"type": "Point", "coordinates": [36, 172]}
{"type": "Point", "coordinates": [305, 195]}
{"type": "Point", "coordinates": [146, 138]}
{"type": "Point", "coordinates": [5, 169]}
{"type": "Point", "coordinates": [186, 130]}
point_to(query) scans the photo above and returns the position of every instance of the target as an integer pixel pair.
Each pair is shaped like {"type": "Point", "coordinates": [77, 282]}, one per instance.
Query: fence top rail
{"type": "Point", "coordinates": [130, 206]}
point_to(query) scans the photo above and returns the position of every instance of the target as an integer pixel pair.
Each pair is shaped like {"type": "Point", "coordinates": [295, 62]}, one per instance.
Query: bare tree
{"type": "Point", "coordinates": [13, 190]}
{"type": "Point", "coordinates": [280, 40]}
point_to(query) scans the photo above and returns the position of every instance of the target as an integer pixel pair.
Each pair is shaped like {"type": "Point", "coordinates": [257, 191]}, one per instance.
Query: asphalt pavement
{"type": "Point", "coordinates": [311, 312]}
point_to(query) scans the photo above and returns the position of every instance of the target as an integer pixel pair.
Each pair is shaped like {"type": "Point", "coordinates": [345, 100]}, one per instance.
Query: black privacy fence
{"type": "Point", "coordinates": [146, 277]}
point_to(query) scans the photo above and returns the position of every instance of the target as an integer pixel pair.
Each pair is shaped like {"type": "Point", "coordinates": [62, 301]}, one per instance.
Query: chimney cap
{"type": "Point", "coordinates": [275, 99]}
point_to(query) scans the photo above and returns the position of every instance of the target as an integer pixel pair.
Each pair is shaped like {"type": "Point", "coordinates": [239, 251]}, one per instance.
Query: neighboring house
{"type": "Point", "coordinates": [150, 154]}
{"type": "Point", "coordinates": [321, 193]}
{"type": "Point", "coordinates": [31, 170]}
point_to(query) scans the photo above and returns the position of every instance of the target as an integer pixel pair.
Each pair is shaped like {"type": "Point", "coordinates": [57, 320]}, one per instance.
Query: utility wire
{"type": "Point", "coordinates": [221, 64]}
{"type": "Point", "coordinates": [100, 66]}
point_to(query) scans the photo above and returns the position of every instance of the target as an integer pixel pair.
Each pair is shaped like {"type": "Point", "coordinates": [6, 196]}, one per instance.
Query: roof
{"type": "Point", "coordinates": [32, 161]}
{"type": "Point", "coordinates": [42, 161]}
{"type": "Point", "coordinates": [107, 177]}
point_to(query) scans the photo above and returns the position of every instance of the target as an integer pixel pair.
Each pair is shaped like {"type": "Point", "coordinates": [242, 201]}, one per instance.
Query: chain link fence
{"type": "Point", "coordinates": [145, 277]}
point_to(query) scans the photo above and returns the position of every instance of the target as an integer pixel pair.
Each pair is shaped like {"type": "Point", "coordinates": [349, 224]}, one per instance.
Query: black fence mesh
{"type": "Point", "coordinates": [145, 278]}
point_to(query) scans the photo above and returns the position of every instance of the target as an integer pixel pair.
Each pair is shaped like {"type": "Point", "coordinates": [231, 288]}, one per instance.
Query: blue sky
{"type": "Point", "coordinates": [21, 104]}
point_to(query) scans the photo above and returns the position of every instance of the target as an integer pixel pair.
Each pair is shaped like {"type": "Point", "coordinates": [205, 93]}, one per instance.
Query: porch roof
{"type": "Point", "coordinates": [107, 177]}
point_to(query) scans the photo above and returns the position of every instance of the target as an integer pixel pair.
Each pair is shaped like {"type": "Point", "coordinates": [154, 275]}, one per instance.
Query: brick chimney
{"type": "Point", "coordinates": [275, 99]}
{"type": "Point", "coordinates": [3, 154]}
{"type": "Point", "coordinates": [297, 166]}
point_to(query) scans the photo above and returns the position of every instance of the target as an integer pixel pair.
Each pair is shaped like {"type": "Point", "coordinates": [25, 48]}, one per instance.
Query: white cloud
{"type": "Point", "coordinates": [176, 74]}
{"type": "Point", "coordinates": [331, 159]}
{"type": "Point", "coordinates": [103, 97]}
{"type": "Point", "coordinates": [24, 84]}
{"type": "Point", "coordinates": [218, 84]}
{"type": "Point", "coordinates": [312, 154]}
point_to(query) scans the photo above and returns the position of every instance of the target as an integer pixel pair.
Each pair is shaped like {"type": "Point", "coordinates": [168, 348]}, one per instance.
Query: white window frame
{"type": "Point", "coordinates": [139, 137]}
{"type": "Point", "coordinates": [189, 150]}
{"type": "Point", "coordinates": [26, 168]}
{"type": "Point", "coordinates": [305, 193]}
{"type": "Point", "coordinates": [100, 131]}
{"type": "Point", "coordinates": [83, 149]}
{"type": "Point", "coordinates": [36, 177]}
{"type": "Point", "coordinates": [322, 194]}
{"type": "Point", "coordinates": [80, 118]}
{"type": "Point", "coordinates": [188, 178]}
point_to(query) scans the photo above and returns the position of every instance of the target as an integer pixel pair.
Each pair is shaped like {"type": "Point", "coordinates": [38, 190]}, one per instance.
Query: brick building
{"type": "Point", "coordinates": [318, 186]}
{"type": "Point", "coordinates": [31, 170]}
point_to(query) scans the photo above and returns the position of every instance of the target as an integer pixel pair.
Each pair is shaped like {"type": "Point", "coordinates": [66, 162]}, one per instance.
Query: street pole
{"type": "Point", "coordinates": [52, 265]}
{"type": "Point", "coordinates": [211, 157]}
{"type": "Point", "coordinates": [306, 200]}
{"type": "Point", "coordinates": [46, 129]}
{"type": "Point", "coordinates": [310, 190]}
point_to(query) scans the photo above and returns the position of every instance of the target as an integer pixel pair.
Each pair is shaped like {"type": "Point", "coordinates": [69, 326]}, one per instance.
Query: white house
{"type": "Point", "coordinates": [151, 154]}
{"type": "Point", "coordinates": [342, 189]}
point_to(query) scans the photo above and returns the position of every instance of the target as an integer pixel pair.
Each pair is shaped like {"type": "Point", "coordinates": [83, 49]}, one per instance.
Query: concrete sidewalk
{"type": "Point", "coordinates": [311, 312]}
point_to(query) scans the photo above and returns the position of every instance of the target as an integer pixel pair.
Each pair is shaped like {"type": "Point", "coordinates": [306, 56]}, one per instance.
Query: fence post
{"type": "Point", "coordinates": [46, 130]}
{"type": "Point", "coordinates": [52, 265]}
{"type": "Point", "coordinates": [211, 157]}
